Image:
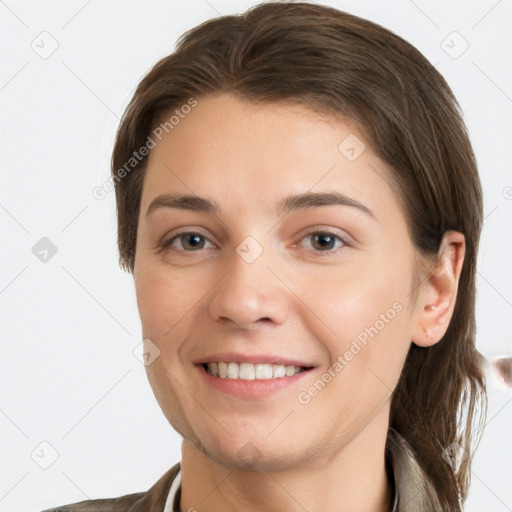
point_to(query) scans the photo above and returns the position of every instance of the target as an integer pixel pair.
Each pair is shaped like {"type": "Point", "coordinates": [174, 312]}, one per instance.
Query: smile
{"type": "Point", "coordinates": [249, 371]}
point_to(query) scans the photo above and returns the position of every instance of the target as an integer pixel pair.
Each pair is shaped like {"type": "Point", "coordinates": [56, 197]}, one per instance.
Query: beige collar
{"type": "Point", "coordinates": [414, 491]}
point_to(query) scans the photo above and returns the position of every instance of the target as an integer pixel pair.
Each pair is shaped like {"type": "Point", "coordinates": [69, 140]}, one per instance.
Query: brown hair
{"type": "Point", "coordinates": [343, 65]}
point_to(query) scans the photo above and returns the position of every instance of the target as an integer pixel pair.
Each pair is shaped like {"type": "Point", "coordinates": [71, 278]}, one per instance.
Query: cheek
{"type": "Point", "coordinates": [169, 300]}
{"type": "Point", "coordinates": [161, 299]}
{"type": "Point", "coordinates": [150, 300]}
{"type": "Point", "coordinates": [363, 306]}
{"type": "Point", "coordinates": [366, 342]}
{"type": "Point", "coordinates": [359, 292]}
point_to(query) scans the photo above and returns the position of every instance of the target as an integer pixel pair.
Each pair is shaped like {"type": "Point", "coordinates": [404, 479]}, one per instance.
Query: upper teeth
{"type": "Point", "coordinates": [249, 371]}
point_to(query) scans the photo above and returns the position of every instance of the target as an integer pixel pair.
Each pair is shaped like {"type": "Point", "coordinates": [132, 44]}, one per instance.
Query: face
{"type": "Point", "coordinates": [317, 284]}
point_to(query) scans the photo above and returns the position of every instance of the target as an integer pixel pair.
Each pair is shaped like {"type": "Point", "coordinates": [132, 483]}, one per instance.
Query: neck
{"type": "Point", "coordinates": [353, 479]}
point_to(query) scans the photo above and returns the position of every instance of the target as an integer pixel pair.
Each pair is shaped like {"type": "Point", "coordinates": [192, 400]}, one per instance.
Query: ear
{"type": "Point", "coordinates": [439, 291]}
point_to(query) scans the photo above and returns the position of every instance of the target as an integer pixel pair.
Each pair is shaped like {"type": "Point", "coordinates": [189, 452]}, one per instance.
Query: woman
{"type": "Point", "coordinates": [299, 204]}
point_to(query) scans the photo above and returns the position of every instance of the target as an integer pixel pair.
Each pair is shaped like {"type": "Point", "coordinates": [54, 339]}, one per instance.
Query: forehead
{"type": "Point", "coordinates": [251, 154]}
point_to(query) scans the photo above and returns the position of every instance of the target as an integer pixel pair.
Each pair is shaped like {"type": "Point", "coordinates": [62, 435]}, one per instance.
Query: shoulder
{"type": "Point", "coordinates": [152, 500]}
{"type": "Point", "coordinates": [123, 503]}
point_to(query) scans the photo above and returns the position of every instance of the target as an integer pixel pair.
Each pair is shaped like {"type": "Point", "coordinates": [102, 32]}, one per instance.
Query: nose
{"type": "Point", "coordinates": [248, 295]}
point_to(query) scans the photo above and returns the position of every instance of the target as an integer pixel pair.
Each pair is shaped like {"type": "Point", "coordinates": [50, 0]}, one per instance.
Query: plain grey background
{"type": "Point", "coordinates": [77, 416]}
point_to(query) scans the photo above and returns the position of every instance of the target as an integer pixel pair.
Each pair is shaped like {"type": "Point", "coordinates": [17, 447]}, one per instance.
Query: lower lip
{"type": "Point", "coordinates": [257, 388]}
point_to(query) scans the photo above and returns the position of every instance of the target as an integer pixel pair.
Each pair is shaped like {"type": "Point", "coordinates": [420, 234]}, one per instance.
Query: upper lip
{"type": "Point", "coordinates": [253, 358]}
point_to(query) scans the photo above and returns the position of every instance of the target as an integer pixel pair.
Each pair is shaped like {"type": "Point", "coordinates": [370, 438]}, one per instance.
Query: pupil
{"type": "Point", "coordinates": [196, 241]}
{"type": "Point", "coordinates": [322, 238]}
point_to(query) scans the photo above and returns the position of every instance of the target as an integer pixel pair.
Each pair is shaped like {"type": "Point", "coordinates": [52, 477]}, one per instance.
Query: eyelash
{"type": "Point", "coordinates": [166, 244]}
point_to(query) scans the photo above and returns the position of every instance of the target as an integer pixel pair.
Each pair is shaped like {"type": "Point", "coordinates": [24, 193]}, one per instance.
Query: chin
{"type": "Point", "coordinates": [246, 455]}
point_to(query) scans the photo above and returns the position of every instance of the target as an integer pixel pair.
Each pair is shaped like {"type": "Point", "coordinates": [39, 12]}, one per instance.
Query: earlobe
{"type": "Point", "coordinates": [439, 292]}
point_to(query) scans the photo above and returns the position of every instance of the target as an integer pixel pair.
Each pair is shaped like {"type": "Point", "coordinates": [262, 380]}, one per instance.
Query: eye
{"type": "Point", "coordinates": [323, 241]}
{"type": "Point", "coordinates": [188, 240]}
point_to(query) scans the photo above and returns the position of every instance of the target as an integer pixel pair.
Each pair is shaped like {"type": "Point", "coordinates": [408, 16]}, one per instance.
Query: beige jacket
{"type": "Point", "coordinates": [413, 491]}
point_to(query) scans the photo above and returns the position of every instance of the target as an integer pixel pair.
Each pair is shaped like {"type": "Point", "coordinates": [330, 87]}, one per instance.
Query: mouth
{"type": "Point", "coordinates": [251, 371]}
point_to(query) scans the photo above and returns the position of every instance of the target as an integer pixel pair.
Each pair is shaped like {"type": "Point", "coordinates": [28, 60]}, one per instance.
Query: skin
{"type": "Point", "coordinates": [293, 300]}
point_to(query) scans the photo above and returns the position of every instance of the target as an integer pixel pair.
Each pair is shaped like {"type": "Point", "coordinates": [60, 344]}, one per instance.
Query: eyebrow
{"type": "Point", "coordinates": [285, 205]}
